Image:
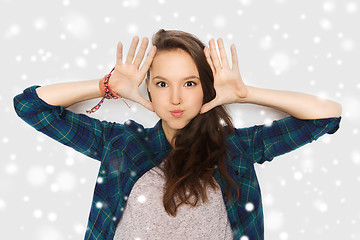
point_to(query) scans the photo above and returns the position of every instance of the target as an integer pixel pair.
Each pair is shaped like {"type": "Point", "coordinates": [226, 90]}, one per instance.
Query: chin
{"type": "Point", "coordinates": [177, 125]}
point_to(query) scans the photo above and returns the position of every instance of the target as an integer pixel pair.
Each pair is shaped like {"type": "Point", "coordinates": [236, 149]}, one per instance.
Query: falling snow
{"type": "Point", "coordinates": [141, 199]}
{"type": "Point", "coordinates": [312, 49]}
{"type": "Point", "coordinates": [52, 216]}
{"type": "Point", "coordinates": [100, 180]}
{"type": "Point", "coordinates": [219, 21]}
{"type": "Point", "coordinates": [266, 42]}
{"type": "Point", "coordinates": [2, 204]}
{"type": "Point", "coordinates": [320, 205]}
{"type": "Point", "coordinates": [298, 176]}
{"type": "Point", "coordinates": [66, 181]}
{"type": "Point", "coordinates": [355, 157]}
{"type": "Point", "coordinates": [280, 63]}
{"type": "Point", "coordinates": [36, 176]}
{"type": "Point", "coordinates": [275, 220]}
{"type": "Point", "coordinates": [99, 204]}
{"type": "Point", "coordinates": [11, 168]}
{"type": "Point", "coordinates": [249, 206]}
{"type": "Point", "coordinates": [325, 24]}
{"type": "Point", "coordinates": [38, 213]}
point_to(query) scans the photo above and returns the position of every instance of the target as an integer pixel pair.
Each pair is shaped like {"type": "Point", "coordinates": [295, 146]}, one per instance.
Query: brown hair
{"type": "Point", "coordinates": [200, 146]}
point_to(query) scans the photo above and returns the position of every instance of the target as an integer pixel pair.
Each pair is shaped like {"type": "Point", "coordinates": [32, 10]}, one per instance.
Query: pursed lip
{"type": "Point", "coordinates": [177, 113]}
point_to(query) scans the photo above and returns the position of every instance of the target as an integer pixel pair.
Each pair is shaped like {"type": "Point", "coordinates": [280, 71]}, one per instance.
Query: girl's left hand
{"type": "Point", "coordinates": [228, 83]}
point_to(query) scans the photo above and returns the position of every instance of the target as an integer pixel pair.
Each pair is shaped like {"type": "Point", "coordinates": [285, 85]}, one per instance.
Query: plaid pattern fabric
{"type": "Point", "coordinates": [126, 151]}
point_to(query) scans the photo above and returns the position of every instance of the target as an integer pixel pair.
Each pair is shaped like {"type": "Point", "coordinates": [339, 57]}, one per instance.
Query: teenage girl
{"type": "Point", "coordinates": [191, 176]}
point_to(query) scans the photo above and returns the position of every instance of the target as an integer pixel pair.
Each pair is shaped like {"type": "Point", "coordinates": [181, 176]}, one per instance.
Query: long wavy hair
{"type": "Point", "coordinates": [200, 146]}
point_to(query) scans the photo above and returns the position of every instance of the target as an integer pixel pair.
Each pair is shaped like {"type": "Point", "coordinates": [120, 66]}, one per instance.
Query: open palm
{"type": "Point", "coordinates": [128, 76]}
{"type": "Point", "coordinates": [228, 83]}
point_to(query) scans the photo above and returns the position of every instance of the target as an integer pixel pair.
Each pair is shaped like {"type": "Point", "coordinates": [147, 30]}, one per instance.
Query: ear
{"type": "Point", "coordinates": [147, 83]}
{"type": "Point", "coordinates": [148, 89]}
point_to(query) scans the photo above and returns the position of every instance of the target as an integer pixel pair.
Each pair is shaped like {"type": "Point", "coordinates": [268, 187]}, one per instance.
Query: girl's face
{"type": "Point", "coordinates": [175, 89]}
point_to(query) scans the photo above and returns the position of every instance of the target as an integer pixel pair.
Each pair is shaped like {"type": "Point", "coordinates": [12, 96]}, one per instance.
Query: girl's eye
{"type": "Point", "coordinates": [161, 84]}
{"type": "Point", "coordinates": [190, 83]}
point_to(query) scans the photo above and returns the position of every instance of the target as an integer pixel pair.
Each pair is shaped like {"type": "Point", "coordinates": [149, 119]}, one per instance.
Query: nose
{"type": "Point", "coordinates": [175, 96]}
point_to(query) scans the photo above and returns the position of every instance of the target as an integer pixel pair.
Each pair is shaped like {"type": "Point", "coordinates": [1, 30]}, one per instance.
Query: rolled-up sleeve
{"type": "Point", "coordinates": [264, 142]}
{"type": "Point", "coordinates": [79, 131]}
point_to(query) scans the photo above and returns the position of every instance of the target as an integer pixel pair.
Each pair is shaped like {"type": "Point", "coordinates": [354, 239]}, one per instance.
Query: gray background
{"type": "Point", "coordinates": [307, 46]}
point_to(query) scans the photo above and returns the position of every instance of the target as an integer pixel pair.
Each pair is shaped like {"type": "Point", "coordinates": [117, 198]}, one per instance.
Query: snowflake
{"type": "Point", "coordinates": [275, 220]}
{"type": "Point", "coordinates": [11, 168]}
{"type": "Point", "coordinates": [320, 205]}
{"type": "Point", "coordinates": [79, 228]}
{"type": "Point", "coordinates": [2, 204]}
{"type": "Point", "coordinates": [141, 199]}
{"type": "Point", "coordinates": [66, 181]}
{"type": "Point", "coordinates": [100, 180]}
{"type": "Point", "coordinates": [355, 157]}
{"type": "Point", "coordinates": [49, 169]}
{"type": "Point", "coordinates": [351, 7]}
{"type": "Point", "coordinates": [298, 175]}
{"type": "Point", "coordinates": [99, 204]}
{"type": "Point", "coordinates": [249, 206]}
{"type": "Point", "coordinates": [329, 6]}
{"type": "Point", "coordinates": [37, 213]}
{"type": "Point", "coordinates": [284, 236]}
{"type": "Point", "coordinates": [266, 42]}
{"type": "Point", "coordinates": [52, 217]}
{"type": "Point", "coordinates": [220, 21]}
{"type": "Point", "coordinates": [26, 198]}
{"type": "Point", "coordinates": [279, 62]}
{"type": "Point", "coordinates": [325, 24]}
{"type": "Point", "coordinates": [54, 187]}
{"type": "Point", "coordinates": [36, 176]}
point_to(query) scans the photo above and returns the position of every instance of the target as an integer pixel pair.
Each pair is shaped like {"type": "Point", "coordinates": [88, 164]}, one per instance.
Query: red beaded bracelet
{"type": "Point", "coordinates": [106, 92]}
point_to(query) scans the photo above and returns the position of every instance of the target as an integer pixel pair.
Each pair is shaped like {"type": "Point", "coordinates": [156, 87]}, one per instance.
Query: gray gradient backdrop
{"type": "Point", "coordinates": [307, 46]}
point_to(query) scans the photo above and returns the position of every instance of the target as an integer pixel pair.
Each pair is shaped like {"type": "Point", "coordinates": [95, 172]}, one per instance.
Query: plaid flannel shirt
{"type": "Point", "coordinates": [126, 151]}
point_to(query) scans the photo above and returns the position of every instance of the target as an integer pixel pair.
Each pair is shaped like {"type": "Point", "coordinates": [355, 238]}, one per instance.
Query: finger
{"type": "Point", "coordinates": [119, 54]}
{"type": "Point", "coordinates": [146, 103]}
{"type": "Point", "coordinates": [208, 59]}
{"type": "Point", "coordinates": [235, 61]}
{"type": "Point", "coordinates": [131, 53]}
{"type": "Point", "coordinates": [208, 106]}
{"type": "Point", "coordinates": [214, 56]}
{"type": "Point", "coordinates": [222, 52]}
{"type": "Point", "coordinates": [145, 67]}
{"type": "Point", "coordinates": [140, 55]}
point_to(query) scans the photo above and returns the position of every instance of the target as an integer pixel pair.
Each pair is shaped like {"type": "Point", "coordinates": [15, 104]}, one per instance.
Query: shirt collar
{"type": "Point", "coordinates": [157, 138]}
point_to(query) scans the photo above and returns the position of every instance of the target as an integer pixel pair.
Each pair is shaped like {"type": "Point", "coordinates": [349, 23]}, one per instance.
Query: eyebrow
{"type": "Point", "coordinates": [186, 78]}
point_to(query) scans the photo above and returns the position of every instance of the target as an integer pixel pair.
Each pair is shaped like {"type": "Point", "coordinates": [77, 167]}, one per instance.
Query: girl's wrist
{"type": "Point", "coordinates": [248, 95]}
{"type": "Point", "coordinates": [102, 87]}
{"type": "Point", "coordinates": [106, 92]}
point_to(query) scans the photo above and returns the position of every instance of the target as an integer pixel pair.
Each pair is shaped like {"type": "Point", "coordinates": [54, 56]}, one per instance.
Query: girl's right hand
{"type": "Point", "coordinates": [127, 77]}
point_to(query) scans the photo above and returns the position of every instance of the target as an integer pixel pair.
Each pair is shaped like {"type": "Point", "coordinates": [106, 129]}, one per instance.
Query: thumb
{"type": "Point", "coordinates": [146, 103]}
{"type": "Point", "coordinates": [208, 106]}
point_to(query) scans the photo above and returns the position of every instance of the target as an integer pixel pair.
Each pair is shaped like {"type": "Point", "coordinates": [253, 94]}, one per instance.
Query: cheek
{"type": "Point", "coordinates": [199, 99]}
{"type": "Point", "coordinates": [158, 102]}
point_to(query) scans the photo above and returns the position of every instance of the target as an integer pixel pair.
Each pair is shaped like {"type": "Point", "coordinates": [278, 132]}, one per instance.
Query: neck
{"type": "Point", "coordinates": [169, 134]}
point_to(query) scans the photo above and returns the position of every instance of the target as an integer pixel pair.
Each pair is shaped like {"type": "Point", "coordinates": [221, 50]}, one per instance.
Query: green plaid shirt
{"type": "Point", "coordinates": [126, 151]}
